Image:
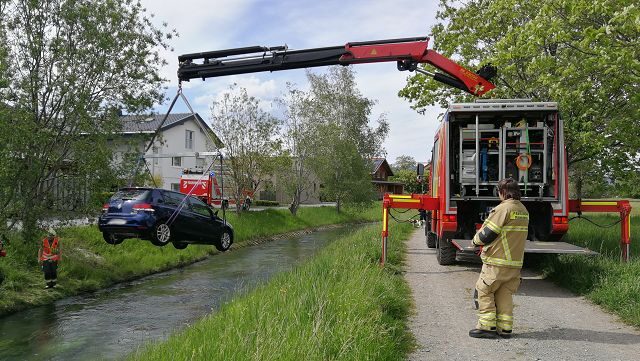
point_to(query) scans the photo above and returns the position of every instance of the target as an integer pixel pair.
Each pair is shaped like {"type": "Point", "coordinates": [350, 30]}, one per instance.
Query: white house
{"type": "Point", "coordinates": [182, 134]}
{"type": "Point", "coordinates": [179, 135]}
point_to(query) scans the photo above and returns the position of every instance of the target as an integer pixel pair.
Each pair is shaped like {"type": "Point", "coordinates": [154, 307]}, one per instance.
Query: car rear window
{"type": "Point", "coordinates": [130, 194]}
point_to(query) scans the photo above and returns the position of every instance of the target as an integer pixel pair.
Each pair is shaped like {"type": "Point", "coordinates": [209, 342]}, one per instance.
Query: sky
{"type": "Point", "coordinates": [301, 24]}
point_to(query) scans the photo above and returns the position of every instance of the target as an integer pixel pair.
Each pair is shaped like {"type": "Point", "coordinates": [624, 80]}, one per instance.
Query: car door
{"type": "Point", "coordinates": [177, 209]}
{"type": "Point", "coordinates": [204, 227]}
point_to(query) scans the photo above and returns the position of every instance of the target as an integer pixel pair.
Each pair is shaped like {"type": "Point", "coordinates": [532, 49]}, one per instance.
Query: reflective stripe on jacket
{"type": "Point", "coordinates": [503, 235]}
{"type": "Point", "coordinates": [50, 251]}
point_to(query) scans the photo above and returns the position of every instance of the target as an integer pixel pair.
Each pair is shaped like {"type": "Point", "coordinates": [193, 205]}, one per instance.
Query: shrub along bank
{"type": "Point", "coordinates": [340, 305]}
{"type": "Point", "coordinates": [89, 264]}
{"type": "Point", "coordinates": [603, 279]}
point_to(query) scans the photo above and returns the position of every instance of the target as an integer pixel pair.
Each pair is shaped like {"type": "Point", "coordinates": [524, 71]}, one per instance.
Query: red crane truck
{"type": "Point", "coordinates": [476, 145]}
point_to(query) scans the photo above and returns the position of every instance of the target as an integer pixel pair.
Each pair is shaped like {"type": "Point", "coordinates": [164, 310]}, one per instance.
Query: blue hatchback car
{"type": "Point", "coordinates": [162, 217]}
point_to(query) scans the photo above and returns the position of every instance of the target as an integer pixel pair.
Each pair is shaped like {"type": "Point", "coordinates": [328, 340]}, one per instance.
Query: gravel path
{"type": "Point", "coordinates": [550, 322]}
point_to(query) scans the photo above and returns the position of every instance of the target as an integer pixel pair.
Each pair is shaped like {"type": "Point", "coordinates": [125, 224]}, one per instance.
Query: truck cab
{"type": "Point", "coordinates": [480, 143]}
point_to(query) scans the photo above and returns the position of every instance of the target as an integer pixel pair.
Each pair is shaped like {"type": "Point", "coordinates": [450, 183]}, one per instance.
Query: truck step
{"type": "Point", "coordinates": [466, 245]}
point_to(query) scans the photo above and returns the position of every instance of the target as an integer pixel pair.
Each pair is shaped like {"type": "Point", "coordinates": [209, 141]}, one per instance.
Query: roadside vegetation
{"type": "Point", "coordinates": [341, 305]}
{"type": "Point", "coordinates": [603, 279]}
{"type": "Point", "coordinates": [89, 263]}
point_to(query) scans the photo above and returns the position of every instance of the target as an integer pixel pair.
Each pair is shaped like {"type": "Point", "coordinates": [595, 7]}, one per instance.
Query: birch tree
{"type": "Point", "coordinates": [346, 142]}
{"type": "Point", "coordinates": [249, 134]}
{"type": "Point", "coordinates": [296, 175]}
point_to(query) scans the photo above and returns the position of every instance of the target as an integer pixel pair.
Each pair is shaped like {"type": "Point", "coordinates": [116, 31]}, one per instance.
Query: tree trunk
{"type": "Point", "coordinates": [238, 204]}
{"type": "Point", "coordinates": [293, 207]}
{"type": "Point", "coordinates": [579, 186]}
{"type": "Point", "coordinates": [30, 234]}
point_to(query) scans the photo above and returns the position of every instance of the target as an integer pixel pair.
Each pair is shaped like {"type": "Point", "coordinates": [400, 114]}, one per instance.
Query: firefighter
{"type": "Point", "coordinates": [49, 256]}
{"type": "Point", "coordinates": [500, 242]}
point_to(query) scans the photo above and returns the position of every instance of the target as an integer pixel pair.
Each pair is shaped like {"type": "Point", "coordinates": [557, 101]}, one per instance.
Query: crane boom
{"type": "Point", "coordinates": [407, 52]}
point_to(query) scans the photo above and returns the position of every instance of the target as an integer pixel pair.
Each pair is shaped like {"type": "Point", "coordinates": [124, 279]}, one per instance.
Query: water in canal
{"type": "Point", "coordinates": [113, 323]}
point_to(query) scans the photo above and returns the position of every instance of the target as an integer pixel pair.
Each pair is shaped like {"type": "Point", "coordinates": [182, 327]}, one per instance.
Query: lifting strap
{"type": "Point", "coordinates": [153, 138]}
{"type": "Point", "coordinates": [206, 132]}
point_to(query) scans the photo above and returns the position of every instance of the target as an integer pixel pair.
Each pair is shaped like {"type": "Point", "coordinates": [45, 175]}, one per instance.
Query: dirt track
{"type": "Point", "coordinates": [550, 322]}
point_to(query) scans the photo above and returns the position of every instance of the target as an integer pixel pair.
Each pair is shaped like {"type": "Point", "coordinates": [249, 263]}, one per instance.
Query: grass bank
{"type": "Point", "coordinates": [338, 306]}
{"type": "Point", "coordinates": [602, 279]}
{"type": "Point", "coordinates": [89, 264]}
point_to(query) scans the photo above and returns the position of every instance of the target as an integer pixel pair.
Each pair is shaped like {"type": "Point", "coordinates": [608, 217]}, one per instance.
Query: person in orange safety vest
{"type": "Point", "coordinates": [49, 256]}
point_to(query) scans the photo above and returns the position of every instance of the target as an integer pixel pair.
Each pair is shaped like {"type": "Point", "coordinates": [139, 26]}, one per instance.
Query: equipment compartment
{"type": "Point", "coordinates": [493, 146]}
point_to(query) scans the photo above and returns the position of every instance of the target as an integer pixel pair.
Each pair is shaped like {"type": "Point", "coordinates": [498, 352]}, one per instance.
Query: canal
{"type": "Point", "coordinates": [110, 324]}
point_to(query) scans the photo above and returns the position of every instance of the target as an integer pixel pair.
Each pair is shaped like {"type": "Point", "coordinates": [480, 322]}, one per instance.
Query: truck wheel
{"type": "Point", "coordinates": [446, 253]}
{"type": "Point", "coordinates": [431, 239]}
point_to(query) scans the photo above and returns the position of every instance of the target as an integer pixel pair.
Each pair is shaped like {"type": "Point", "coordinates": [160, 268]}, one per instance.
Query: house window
{"type": "Point", "coordinates": [155, 152]}
{"type": "Point", "coordinates": [176, 161]}
{"type": "Point", "coordinates": [188, 139]}
{"type": "Point", "coordinates": [199, 162]}
{"type": "Point", "coordinates": [175, 187]}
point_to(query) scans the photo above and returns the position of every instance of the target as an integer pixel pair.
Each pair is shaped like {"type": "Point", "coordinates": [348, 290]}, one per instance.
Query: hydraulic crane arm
{"type": "Point", "coordinates": [407, 52]}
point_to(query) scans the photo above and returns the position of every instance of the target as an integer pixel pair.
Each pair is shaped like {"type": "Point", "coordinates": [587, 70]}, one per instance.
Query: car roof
{"type": "Point", "coordinates": [141, 188]}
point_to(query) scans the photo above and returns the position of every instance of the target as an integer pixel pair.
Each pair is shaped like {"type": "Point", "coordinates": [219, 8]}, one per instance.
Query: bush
{"type": "Point", "coordinates": [262, 203]}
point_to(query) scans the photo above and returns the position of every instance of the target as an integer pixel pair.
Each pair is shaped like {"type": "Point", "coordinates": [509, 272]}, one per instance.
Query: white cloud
{"type": "Point", "coordinates": [201, 24]}
{"type": "Point", "coordinates": [210, 25]}
{"type": "Point", "coordinates": [264, 91]}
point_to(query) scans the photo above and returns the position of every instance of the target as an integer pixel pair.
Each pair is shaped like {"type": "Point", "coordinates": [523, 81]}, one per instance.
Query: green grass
{"type": "Point", "coordinates": [602, 279]}
{"type": "Point", "coordinates": [89, 264]}
{"type": "Point", "coordinates": [340, 305]}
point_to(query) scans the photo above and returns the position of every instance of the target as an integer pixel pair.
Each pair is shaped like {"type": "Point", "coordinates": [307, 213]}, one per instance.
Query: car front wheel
{"type": "Point", "coordinates": [224, 242]}
{"type": "Point", "coordinates": [112, 238]}
{"type": "Point", "coordinates": [161, 234]}
{"type": "Point", "coordinates": [180, 245]}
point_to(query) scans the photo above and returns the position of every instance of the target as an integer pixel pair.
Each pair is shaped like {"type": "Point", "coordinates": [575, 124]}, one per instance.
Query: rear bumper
{"type": "Point", "coordinates": [138, 225]}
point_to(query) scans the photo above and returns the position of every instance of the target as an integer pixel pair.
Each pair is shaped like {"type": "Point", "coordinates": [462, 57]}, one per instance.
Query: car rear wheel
{"type": "Point", "coordinates": [224, 242]}
{"type": "Point", "coordinates": [180, 245]}
{"type": "Point", "coordinates": [161, 234]}
{"type": "Point", "coordinates": [112, 238]}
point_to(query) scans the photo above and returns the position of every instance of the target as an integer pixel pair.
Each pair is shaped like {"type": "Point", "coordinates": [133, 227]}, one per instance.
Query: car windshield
{"type": "Point", "coordinates": [130, 194]}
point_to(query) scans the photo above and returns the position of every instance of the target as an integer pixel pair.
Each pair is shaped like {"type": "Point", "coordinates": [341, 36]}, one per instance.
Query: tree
{"type": "Point", "coordinates": [298, 140]}
{"type": "Point", "coordinates": [405, 162]}
{"type": "Point", "coordinates": [345, 143]}
{"type": "Point", "coordinates": [583, 54]}
{"type": "Point", "coordinates": [409, 179]}
{"type": "Point", "coordinates": [249, 135]}
{"type": "Point", "coordinates": [67, 66]}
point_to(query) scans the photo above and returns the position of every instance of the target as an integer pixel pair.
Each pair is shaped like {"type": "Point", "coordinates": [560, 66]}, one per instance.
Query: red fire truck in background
{"type": "Point", "coordinates": [206, 187]}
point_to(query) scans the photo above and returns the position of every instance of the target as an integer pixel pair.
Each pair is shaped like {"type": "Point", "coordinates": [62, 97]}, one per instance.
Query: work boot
{"type": "Point", "coordinates": [477, 333]}
{"type": "Point", "coordinates": [505, 334]}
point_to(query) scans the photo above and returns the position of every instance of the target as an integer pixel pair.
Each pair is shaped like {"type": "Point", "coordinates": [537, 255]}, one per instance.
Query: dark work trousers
{"type": "Point", "coordinates": [50, 269]}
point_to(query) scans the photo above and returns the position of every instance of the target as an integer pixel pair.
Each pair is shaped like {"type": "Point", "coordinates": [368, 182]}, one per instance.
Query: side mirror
{"type": "Point", "coordinates": [420, 170]}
